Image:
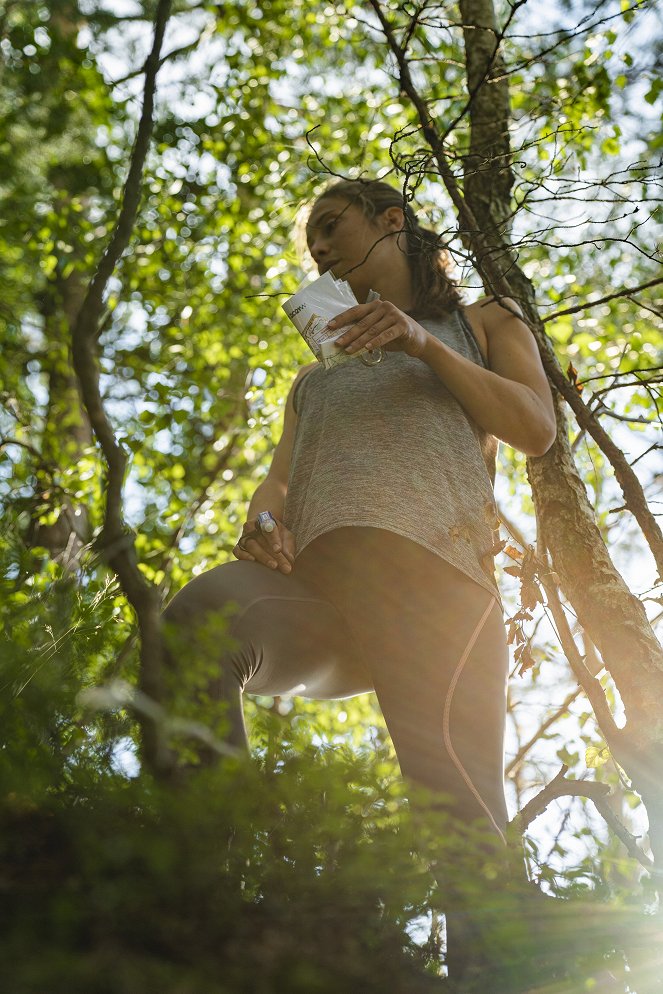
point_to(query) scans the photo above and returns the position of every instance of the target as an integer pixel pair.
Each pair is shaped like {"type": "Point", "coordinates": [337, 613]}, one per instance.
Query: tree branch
{"type": "Point", "coordinates": [598, 793]}
{"type": "Point", "coordinates": [606, 412]}
{"type": "Point", "coordinates": [627, 838]}
{"type": "Point", "coordinates": [624, 292]}
{"type": "Point", "coordinates": [191, 46]}
{"type": "Point", "coordinates": [590, 684]}
{"type": "Point", "coordinates": [558, 787]}
{"type": "Point", "coordinates": [116, 545]}
{"type": "Point", "coordinates": [468, 223]}
{"type": "Point", "coordinates": [557, 713]}
{"type": "Point", "coordinates": [634, 497]}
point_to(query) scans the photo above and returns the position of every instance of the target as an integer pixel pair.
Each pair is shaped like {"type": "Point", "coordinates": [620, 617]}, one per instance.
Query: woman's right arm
{"type": "Point", "coordinates": [270, 496]}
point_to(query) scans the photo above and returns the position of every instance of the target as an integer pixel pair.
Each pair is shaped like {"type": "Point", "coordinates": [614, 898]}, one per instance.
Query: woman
{"type": "Point", "coordinates": [379, 574]}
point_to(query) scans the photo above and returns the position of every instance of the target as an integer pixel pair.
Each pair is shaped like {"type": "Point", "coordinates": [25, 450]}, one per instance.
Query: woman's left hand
{"type": "Point", "coordinates": [379, 325]}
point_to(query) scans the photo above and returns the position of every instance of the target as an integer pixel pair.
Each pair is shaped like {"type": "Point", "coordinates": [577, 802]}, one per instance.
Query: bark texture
{"type": "Point", "coordinates": [67, 432]}
{"type": "Point", "coordinates": [487, 167]}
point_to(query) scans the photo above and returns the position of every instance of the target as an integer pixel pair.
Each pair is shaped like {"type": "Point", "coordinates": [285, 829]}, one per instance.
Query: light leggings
{"type": "Point", "coordinates": [365, 609]}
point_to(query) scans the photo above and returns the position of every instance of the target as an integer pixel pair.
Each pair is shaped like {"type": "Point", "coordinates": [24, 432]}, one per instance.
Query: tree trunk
{"type": "Point", "coordinates": [67, 432]}
{"type": "Point", "coordinates": [612, 616]}
{"type": "Point", "coordinates": [487, 168]}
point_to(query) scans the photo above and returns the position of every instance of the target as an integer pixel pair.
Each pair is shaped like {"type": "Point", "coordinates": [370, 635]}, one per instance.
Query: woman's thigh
{"type": "Point", "coordinates": [277, 633]}
{"type": "Point", "coordinates": [443, 695]}
{"type": "Point", "coordinates": [435, 646]}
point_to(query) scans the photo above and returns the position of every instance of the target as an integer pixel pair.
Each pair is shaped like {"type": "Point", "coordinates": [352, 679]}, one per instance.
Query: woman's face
{"type": "Point", "coordinates": [340, 237]}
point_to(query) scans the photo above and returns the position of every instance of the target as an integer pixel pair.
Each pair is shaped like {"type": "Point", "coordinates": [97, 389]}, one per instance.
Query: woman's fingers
{"type": "Point", "coordinates": [265, 553]}
{"type": "Point", "coordinates": [273, 549]}
{"type": "Point", "coordinates": [255, 549]}
{"type": "Point", "coordinates": [288, 544]}
{"type": "Point", "coordinates": [281, 543]}
{"type": "Point", "coordinates": [378, 336]}
{"type": "Point", "coordinates": [360, 337]}
{"type": "Point", "coordinates": [273, 543]}
{"type": "Point", "coordinates": [383, 326]}
{"type": "Point", "coordinates": [240, 553]}
{"type": "Point", "coordinates": [374, 340]}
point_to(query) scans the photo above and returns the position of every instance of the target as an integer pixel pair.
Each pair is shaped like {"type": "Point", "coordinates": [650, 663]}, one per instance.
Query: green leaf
{"type": "Point", "coordinates": [596, 756]}
{"type": "Point", "coordinates": [651, 96]}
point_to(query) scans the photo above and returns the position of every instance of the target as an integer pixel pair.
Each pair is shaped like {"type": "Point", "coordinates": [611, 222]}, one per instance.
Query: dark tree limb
{"type": "Point", "coordinates": [469, 225]}
{"type": "Point", "coordinates": [174, 54]}
{"type": "Point", "coordinates": [624, 292]}
{"type": "Point", "coordinates": [589, 683]}
{"type": "Point", "coordinates": [559, 786]}
{"type": "Point", "coordinates": [634, 496]}
{"type": "Point", "coordinates": [629, 840]}
{"type": "Point", "coordinates": [598, 793]}
{"type": "Point", "coordinates": [115, 543]}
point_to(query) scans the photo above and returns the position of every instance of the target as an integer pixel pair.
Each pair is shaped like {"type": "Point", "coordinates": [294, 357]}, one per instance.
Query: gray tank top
{"type": "Point", "coordinates": [388, 446]}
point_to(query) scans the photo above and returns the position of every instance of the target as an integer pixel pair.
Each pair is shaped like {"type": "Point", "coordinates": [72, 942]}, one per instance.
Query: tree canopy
{"type": "Point", "coordinates": [145, 361]}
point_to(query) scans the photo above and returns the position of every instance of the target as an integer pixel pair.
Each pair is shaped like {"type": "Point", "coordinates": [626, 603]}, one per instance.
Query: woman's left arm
{"type": "Point", "coordinates": [511, 399]}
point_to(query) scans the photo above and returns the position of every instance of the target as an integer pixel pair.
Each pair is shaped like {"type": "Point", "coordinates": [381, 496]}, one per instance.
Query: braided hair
{"type": "Point", "coordinates": [434, 292]}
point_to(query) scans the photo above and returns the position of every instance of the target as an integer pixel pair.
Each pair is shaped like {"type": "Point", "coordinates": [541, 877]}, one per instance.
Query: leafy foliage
{"type": "Point", "coordinates": [304, 870]}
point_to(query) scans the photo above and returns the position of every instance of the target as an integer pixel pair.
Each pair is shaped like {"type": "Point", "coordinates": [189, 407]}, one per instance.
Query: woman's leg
{"type": "Point", "coordinates": [365, 608]}
{"type": "Point", "coordinates": [443, 694]}
{"type": "Point", "coordinates": [435, 644]}
{"type": "Point", "coordinates": [286, 637]}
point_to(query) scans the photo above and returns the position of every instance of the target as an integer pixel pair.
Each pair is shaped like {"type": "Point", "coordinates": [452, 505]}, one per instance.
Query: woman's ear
{"type": "Point", "coordinates": [393, 218]}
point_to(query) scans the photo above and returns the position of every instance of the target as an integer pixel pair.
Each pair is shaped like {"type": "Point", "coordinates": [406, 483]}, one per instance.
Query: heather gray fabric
{"type": "Point", "coordinates": [387, 446]}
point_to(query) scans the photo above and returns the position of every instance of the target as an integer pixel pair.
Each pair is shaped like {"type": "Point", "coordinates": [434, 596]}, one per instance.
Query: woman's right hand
{"type": "Point", "coordinates": [275, 549]}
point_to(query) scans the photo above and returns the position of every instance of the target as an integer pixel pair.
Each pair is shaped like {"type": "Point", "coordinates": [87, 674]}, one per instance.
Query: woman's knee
{"type": "Point", "coordinates": [200, 624]}
{"type": "Point", "coordinates": [208, 592]}
{"type": "Point", "coordinates": [196, 623]}
{"type": "Point", "coordinates": [205, 608]}
{"type": "Point", "coordinates": [198, 644]}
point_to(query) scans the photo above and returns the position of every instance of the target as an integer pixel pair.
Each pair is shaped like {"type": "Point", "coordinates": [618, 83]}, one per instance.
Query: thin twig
{"type": "Point", "coordinates": [624, 292]}
{"type": "Point", "coordinates": [540, 732]}
{"type": "Point", "coordinates": [629, 840]}
{"type": "Point", "coordinates": [191, 46]}
{"type": "Point", "coordinates": [590, 685]}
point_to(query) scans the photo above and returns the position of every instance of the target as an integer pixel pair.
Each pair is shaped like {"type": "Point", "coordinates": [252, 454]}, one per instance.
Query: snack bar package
{"type": "Point", "coordinates": [312, 306]}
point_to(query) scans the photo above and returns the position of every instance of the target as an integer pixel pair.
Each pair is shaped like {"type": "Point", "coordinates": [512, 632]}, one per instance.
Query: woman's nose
{"type": "Point", "coordinates": [318, 249]}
